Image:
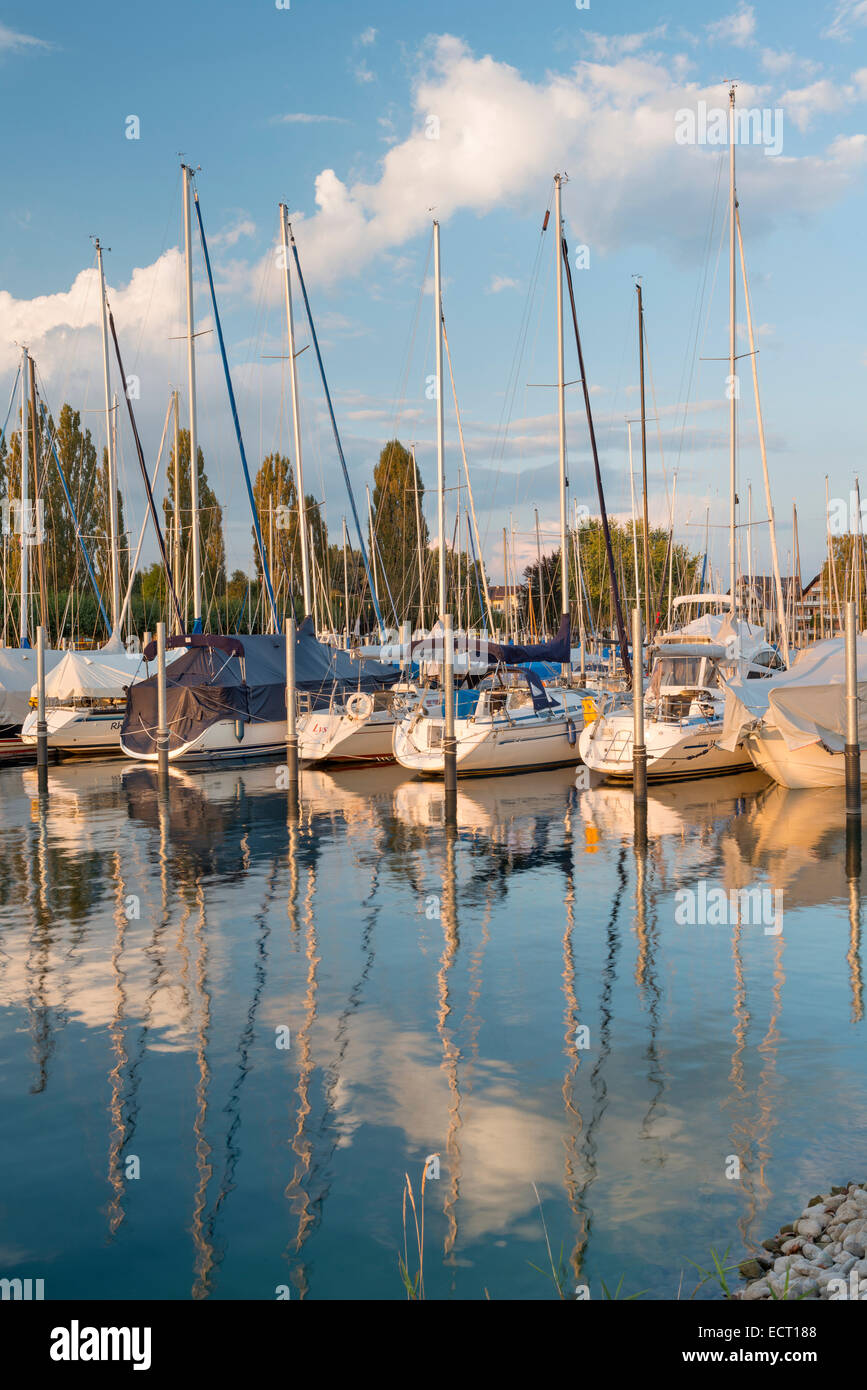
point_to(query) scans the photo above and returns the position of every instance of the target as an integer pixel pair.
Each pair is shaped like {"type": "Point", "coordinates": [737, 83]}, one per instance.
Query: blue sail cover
{"type": "Point", "coordinates": [558, 649]}
{"type": "Point", "coordinates": [240, 678]}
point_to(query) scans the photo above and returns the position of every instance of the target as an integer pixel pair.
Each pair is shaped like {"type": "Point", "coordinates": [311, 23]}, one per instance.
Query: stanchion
{"type": "Point", "coordinates": [639, 750]}
{"type": "Point", "coordinates": [853, 751]}
{"type": "Point", "coordinates": [450, 765]}
{"type": "Point", "coordinates": [162, 718]}
{"type": "Point", "coordinates": [291, 725]}
{"type": "Point", "coordinates": [41, 726]}
{"type": "Point", "coordinates": [405, 648]}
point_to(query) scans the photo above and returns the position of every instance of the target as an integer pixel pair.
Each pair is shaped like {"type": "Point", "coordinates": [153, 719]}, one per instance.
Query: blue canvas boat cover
{"type": "Point", "coordinates": [241, 677]}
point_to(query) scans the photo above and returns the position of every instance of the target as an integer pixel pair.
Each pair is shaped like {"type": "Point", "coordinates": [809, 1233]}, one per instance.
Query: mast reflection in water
{"type": "Point", "coordinates": [228, 1033]}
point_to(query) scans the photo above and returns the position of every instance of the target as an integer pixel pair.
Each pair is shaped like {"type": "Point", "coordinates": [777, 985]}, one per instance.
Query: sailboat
{"type": "Point", "coordinates": [685, 700]}
{"type": "Point", "coordinates": [85, 693]}
{"type": "Point", "coordinates": [684, 704]}
{"type": "Point", "coordinates": [793, 727]}
{"type": "Point", "coordinates": [18, 664]}
{"type": "Point", "coordinates": [226, 696]}
{"type": "Point", "coordinates": [510, 722]}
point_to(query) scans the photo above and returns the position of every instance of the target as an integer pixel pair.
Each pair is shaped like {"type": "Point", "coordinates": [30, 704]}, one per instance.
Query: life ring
{"type": "Point", "coordinates": [359, 705]}
{"type": "Point", "coordinates": [571, 735]}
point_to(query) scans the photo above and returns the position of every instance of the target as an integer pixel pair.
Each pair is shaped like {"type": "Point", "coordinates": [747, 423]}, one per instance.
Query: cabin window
{"type": "Point", "coordinates": [682, 671]}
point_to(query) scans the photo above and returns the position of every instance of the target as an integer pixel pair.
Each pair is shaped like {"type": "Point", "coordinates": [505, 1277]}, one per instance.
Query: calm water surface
{"type": "Point", "coordinates": [154, 949]}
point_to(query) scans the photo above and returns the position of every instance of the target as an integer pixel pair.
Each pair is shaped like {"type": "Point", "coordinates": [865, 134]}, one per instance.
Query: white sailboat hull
{"type": "Point", "coordinates": [77, 732]}
{"type": "Point", "coordinates": [810, 766]}
{"type": "Point", "coordinates": [333, 737]}
{"type": "Point", "coordinates": [225, 741]}
{"type": "Point", "coordinates": [674, 751]}
{"type": "Point", "coordinates": [487, 748]}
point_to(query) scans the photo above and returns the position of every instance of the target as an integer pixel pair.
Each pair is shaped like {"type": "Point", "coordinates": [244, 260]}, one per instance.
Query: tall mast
{"type": "Point", "coordinates": [345, 590]}
{"type": "Point", "coordinates": [772, 529]}
{"type": "Point", "coordinates": [110, 450]}
{"type": "Point", "coordinates": [194, 436]}
{"type": "Point", "coordinates": [647, 627]}
{"type": "Point", "coordinates": [541, 588]}
{"type": "Point", "coordinates": [296, 414]}
{"type": "Point", "coordinates": [176, 508]}
{"type": "Point", "coordinates": [634, 520]}
{"type": "Point", "coordinates": [25, 530]}
{"type": "Point", "coordinates": [418, 540]}
{"type": "Point", "coordinates": [441, 494]}
{"type": "Point", "coordinates": [732, 380]}
{"type": "Point", "coordinates": [561, 389]}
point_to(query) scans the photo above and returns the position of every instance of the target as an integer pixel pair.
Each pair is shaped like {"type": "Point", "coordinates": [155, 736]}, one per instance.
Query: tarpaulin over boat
{"type": "Point", "coordinates": [17, 677]}
{"type": "Point", "coordinates": [240, 678]}
{"type": "Point", "coordinates": [558, 649]}
{"type": "Point", "coordinates": [807, 703]}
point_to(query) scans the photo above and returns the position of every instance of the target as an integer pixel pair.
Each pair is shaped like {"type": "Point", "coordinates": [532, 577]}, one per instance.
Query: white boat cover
{"type": "Point", "coordinates": [807, 703]}
{"type": "Point", "coordinates": [718, 628]}
{"type": "Point", "coordinates": [96, 675]}
{"type": "Point", "coordinates": [17, 674]}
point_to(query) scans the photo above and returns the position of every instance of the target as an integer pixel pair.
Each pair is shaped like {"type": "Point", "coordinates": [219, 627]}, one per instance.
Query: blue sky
{"type": "Point", "coordinates": [326, 105]}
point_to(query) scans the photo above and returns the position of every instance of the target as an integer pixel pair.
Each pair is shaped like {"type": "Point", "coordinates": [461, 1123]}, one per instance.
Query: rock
{"type": "Point", "coordinates": [750, 1269]}
{"type": "Point", "coordinates": [809, 1228]}
{"type": "Point", "coordinates": [789, 1247]}
{"type": "Point", "coordinates": [788, 1229]}
{"type": "Point", "coordinates": [841, 1269]}
{"type": "Point", "coordinates": [757, 1290]}
{"type": "Point", "coordinates": [815, 1201]}
{"type": "Point", "coordinates": [772, 1244]}
{"type": "Point", "coordinates": [847, 1211]}
{"type": "Point", "coordinates": [839, 1191]}
{"type": "Point", "coordinates": [817, 1256]}
{"type": "Point", "coordinates": [832, 1203]}
{"type": "Point", "coordinates": [855, 1245]}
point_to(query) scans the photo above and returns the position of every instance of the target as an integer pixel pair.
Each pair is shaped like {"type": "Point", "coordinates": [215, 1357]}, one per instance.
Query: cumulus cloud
{"type": "Point", "coordinates": [502, 282]}
{"type": "Point", "coordinates": [738, 28]}
{"type": "Point", "coordinates": [484, 136]}
{"type": "Point", "coordinates": [823, 97]}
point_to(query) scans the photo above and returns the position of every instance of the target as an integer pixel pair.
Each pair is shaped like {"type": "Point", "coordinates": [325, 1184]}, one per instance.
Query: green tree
{"type": "Point", "coordinates": [396, 483]}
{"type": "Point", "coordinates": [212, 543]}
{"type": "Point", "coordinates": [277, 504]}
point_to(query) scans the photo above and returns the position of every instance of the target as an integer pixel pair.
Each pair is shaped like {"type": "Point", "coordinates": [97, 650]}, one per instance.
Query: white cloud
{"type": "Point", "coordinates": [611, 125]}
{"type": "Point", "coordinates": [738, 28]}
{"type": "Point", "coordinates": [231, 235]}
{"type": "Point", "coordinates": [502, 282]}
{"type": "Point", "coordinates": [363, 73]}
{"type": "Point", "coordinates": [367, 37]}
{"type": "Point", "coordinates": [13, 42]}
{"type": "Point", "coordinates": [850, 14]}
{"type": "Point", "coordinates": [612, 47]}
{"type": "Point", "coordinates": [820, 98]}
{"type": "Point", "coordinates": [306, 118]}
{"type": "Point", "coordinates": [776, 62]}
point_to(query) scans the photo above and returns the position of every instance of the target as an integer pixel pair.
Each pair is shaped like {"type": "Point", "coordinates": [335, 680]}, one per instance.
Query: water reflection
{"type": "Point", "coordinates": [437, 981]}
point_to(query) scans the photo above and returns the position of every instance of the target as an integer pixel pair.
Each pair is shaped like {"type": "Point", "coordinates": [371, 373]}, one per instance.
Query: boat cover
{"type": "Point", "coordinates": [807, 703]}
{"type": "Point", "coordinates": [17, 676]}
{"type": "Point", "coordinates": [240, 678]}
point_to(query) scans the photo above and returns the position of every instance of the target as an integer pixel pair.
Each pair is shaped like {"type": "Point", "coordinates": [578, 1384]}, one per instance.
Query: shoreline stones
{"type": "Point", "coordinates": [821, 1255]}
